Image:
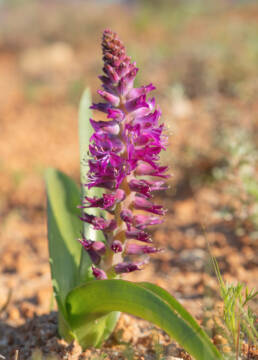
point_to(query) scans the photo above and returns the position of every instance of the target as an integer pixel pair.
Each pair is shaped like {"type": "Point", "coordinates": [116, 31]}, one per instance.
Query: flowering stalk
{"type": "Point", "coordinates": [123, 149]}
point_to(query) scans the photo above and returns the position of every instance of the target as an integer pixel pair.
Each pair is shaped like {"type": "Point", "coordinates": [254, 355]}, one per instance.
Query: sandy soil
{"type": "Point", "coordinates": [38, 129]}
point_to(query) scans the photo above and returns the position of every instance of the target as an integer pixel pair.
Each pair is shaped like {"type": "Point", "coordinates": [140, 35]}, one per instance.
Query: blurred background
{"type": "Point", "coordinates": [202, 56]}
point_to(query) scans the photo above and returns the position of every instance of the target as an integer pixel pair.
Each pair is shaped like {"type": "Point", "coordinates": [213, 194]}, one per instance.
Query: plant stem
{"type": "Point", "coordinates": [238, 338]}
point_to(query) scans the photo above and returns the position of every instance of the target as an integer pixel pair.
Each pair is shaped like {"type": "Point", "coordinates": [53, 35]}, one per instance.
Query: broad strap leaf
{"type": "Point", "coordinates": [98, 297]}
{"type": "Point", "coordinates": [176, 306]}
{"type": "Point", "coordinates": [64, 227]}
{"type": "Point", "coordinates": [85, 131]}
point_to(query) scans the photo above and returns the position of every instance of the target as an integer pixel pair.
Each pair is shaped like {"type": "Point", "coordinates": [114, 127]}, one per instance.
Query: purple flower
{"type": "Point", "coordinates": [106, 202]}
{"type": "Point", "coordinates": [138, 234]}
{"type": "Point", "coordinates": [99, 223]}
{"type": "Point", "coordinates": [117, 246]}
{"type": "Point", "coordinates": [141, 186]}
{"type": "Point", "coordinates": [147, 169]}
{"type": "Point", "coordinates": [135, 249]}
{"type": "Point", "coordinates": [127, 267]}
{"type": "Point", "coordinates": [111, 127]}
{"type": "Point", "coordinates": [124, 148]}
{"type": "Point", "coordinates": [142, 221]}
{"type": "Point", "coordinates": [143, 204]}
{"type": "Point", "coordinates": [94, 248]}
{"type": "Point", "coordinates": [98, 273]}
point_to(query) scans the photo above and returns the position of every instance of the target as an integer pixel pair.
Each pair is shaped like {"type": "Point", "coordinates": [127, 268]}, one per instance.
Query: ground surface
{"type": "Point", "coordinates": [206, 87]}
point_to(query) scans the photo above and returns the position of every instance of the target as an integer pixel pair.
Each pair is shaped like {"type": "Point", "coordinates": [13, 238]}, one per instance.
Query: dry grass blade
{"type": "Point", "coordinates": [7, 302]}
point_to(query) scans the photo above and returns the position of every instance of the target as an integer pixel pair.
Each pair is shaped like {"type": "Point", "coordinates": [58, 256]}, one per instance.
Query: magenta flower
{"type": "Point", "coordinates": [123, 150]}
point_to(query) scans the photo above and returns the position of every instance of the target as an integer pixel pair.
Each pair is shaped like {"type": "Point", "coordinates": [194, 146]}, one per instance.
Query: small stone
{"type": "Point", "coordinates": [210, 324]}
{"type": "Point", "coordinates": [14, 313]}
{"type": "Point", "coordinates": [219, 340]}
{"type": "Point", "coordinates": [226, 349]}
{"type": "Point", "coordinates": [28, 310]}
{"type": "Point", "coordinates": [44, 296]}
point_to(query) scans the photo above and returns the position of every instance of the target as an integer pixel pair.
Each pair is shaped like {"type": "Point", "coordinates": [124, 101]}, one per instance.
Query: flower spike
{"type": "Point", "coordinates": [124, 149]}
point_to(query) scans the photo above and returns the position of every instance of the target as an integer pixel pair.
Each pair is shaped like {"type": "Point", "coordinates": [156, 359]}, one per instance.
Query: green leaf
{"type": "Point", "coordinates": [85, 132]}
{"type": "Point", "coordinates": [175, 305]}
{"type": "Point", "coordinates": [96, 298]}
{"type": "Point", "coordinates": [94, 332]}
{"type": "Point", "coordinates": [64, 227]}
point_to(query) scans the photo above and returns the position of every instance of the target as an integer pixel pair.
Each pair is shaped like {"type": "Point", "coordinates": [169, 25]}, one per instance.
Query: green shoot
{"type": "Point", "coordinates": [238, 316]}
